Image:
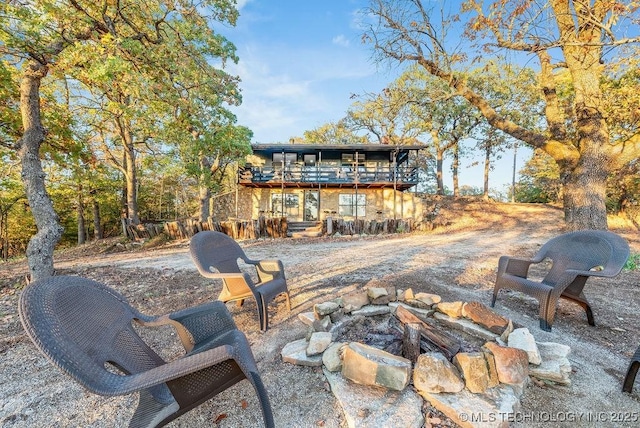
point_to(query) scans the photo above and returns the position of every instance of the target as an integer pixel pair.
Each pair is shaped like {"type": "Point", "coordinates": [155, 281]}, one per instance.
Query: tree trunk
{"type": "Point", "coordinates": [454, 170]}
{"type": "Point", "coordinates": [41, 245]}
{"type": "Point", "coordinates": [585, 186]}
{"type": "Point", "coordinates": [439, 179]}
{"type": "Point", "coordinates": [131, 176]}
{"type": "Point", "coordinates": [487, 168]}
{"type": "Point", "coordinates": [97, 223]}
{"type": "Point", "coordinates": [203, 190]}
{"type": "Point", "coordinates": [585, 194]}
{"type": "Point", "coordinates": [4, 233]}
{"type": "Point", "coordinates": [82, 236]}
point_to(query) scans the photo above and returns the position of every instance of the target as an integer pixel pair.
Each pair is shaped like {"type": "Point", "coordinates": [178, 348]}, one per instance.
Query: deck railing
{"type": "Point", "coordinates": [328, 174]}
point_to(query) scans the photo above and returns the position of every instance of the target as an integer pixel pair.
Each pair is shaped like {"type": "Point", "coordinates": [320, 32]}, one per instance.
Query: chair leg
{"type": "Point", "coordinates": [632, 372]}
{"type": "Point", "coordinates": [265, 405]}
{"type": "Point", "coordinates": [631, 376]}
{"type": "Point", "coordinates": [548, 306]}
{"type": "Point", "coordinates": [583, 302]}
{"type": "Point", "coordinates": [544, 325]}
{"type": "Point", "coordinates": [587, 309]}
{"type": "Point", "coordinates": [264, 322]}
{"type": "Point", "coordinates": [286, 294]}
{"type": "Point", "coordinates": [495, 295]}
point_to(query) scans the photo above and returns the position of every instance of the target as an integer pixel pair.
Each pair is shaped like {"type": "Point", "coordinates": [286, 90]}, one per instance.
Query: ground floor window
{"type": "Point", "coordinates": [291, 205]}
{"type": "Point", "coordinates": [351, 205]}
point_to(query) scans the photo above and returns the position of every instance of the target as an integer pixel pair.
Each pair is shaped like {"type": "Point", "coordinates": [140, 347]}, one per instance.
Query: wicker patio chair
{"type": "Point", "coordinates": [575, 256]}
{"type": "Point", "coordinates": [630, 378]}
{"type": "Point", "coordinates": [87, 330]}
{"type": "Point", "coordinates": [216, 256]}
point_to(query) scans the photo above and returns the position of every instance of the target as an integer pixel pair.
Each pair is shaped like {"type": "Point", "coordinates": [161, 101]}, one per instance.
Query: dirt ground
{"type": "Point", "coordinates": [457, 260]}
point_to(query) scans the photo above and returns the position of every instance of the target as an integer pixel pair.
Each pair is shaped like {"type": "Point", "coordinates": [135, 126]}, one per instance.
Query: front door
{"type": "Point", "coordinates": [311, 205]}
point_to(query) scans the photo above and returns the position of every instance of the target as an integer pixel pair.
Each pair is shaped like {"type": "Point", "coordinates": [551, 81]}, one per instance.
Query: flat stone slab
{"type": "Point", "coordinates": [484, 316]}
{"type": "Point", "coordinates": [492, 409]}
{"type": "Point", "coordinates": [307, 318]}
{"type": "Point", "coordinates": [522, 338]}
{"type": "Point", "coordinates": [452, 309]}
{"type": "Point", "coordinates": [375, 407]}
{"type": "Point", "coordinates": [555, 365]}
{"type": "Point", "coordinates": [323, 309]}
{"type": "Point", "coordinates": [467, 326]}
{"type": "Point", "coordinates": [331, 357]}
{"type": "Point", "coordinates": [296, 353]}
{"type": "Point", "coordinates": [354, 301]}
{"type": "Point", "coordinates": [428, 298]}
{"type": "Point", "coordinates": [367, 365]}
{"type": "Point", "coordinates": [512, 364]}
{"type": "Point", "coordinates": [372, 310]}
{"type": "Point", "coordinates": [318, 343]}
{"type": "Point", "coordinates": [417, 311]}
{"type": "Point", "coordinates": [434, 373]}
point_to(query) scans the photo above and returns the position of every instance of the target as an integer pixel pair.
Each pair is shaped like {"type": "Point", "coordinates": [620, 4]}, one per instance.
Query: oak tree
{"type": "Point", "coordinates": [584, 38]}
{"type": "Point", "coordinates": [35, 34]}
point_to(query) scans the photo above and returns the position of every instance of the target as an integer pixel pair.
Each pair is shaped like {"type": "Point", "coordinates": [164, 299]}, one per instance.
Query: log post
{"type": "Point", "coordinates": [448, 344]}
{"type": "Point", "coordinates": [411, 342]}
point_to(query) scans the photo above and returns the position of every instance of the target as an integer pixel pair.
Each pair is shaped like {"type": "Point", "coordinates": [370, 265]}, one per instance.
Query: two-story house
{"type": "Point", "coordinates": [312, 182]}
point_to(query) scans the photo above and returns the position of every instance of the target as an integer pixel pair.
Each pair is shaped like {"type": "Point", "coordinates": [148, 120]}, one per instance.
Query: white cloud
{"type": "Point", "coordinates": [241, 3]}
{"type": "Point", "coordinates": [275, 105]}
{"type": "Point", "coordinates": [341, 40]}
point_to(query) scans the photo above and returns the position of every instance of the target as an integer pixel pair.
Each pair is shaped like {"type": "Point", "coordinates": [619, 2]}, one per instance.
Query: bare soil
{"type": "Point", "coordinates": [457, 260]}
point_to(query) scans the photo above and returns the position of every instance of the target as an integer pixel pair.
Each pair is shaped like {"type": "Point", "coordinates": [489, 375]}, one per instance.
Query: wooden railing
{"type": "Point", "coordinates": [328, 174]}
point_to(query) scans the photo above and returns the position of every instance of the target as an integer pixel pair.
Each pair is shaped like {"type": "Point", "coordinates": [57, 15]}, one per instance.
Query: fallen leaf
{"type": "Point", "coordinates": [244, 404]}
{"type": "Point", "coordinates": [220, 417]}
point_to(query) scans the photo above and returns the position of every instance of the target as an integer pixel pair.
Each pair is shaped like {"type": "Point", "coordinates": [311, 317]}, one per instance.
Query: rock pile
{"type": "Point", "coordinates": [479, 387]}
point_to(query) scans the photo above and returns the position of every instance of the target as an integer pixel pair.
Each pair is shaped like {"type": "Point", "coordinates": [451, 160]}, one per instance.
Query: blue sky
{"type": "Point", "coordinates": [301, 62]}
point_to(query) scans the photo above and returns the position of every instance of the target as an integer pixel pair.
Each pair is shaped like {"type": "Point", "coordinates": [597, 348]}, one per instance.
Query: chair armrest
{"type": "Point", "coordinates": [604, 273]}
{"type": "Point", "coordinates": [170, 371]}
{"type": "Point", "coordinates": [514, 266]}
{"type": "Point", "coordinates": [276, 263]}
{"type": "Point", "coordinates": [269, 270]}
{"type": "Point", "coordinates": [235, 275]}
{"type": "Point", "coordinates": [195, 324]}
{"type": "Point", "coordinates": [219, 275]}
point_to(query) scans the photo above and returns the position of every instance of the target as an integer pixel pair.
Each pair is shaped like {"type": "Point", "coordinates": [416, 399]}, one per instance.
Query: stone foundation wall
{"type": "Point", "coordinates": [380, 204]}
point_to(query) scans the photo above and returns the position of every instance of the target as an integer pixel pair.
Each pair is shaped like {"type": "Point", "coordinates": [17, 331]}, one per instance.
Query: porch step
{"type": "Point", "coordinates": [304, 229]}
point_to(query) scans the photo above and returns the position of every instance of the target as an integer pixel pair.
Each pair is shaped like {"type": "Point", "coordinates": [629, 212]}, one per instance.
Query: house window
{"type": "Point", "coordinates": [348, 159]}
{"type": "Point", "coordinates": [291, 205]}
{"type": "Point", "coordinates": [350, 205]}
{"type": "Point", "coordinates": [309, 160]}
{"type": "Point", "coordinates": [289, 158]}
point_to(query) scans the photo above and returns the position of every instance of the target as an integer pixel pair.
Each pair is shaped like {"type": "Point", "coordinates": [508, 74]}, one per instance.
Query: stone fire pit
{"type": "Point", "coordinates": [359, 340]}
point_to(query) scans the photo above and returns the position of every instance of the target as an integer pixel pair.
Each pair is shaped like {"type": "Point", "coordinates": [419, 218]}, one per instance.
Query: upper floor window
{"type": "Point", "coordinates": [289, 158]}
{"type": "Point", "coordinates": [349, 159]}
{"type": "Point", "coordinates": [309, 160]}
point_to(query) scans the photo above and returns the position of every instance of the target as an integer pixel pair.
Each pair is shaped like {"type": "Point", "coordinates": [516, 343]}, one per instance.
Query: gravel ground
{"type": "Point", "coordinates": [457, 260]}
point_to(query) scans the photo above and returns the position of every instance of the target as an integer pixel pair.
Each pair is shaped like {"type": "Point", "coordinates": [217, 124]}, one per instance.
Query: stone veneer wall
{"type": "Point", "coordinates": [379, 206]}
{"type": "Point", "coordinates": [224, 207]}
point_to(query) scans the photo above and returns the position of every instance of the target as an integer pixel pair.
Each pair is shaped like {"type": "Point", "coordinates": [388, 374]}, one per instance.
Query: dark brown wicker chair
{"type": "Point", "coordinates": [87, 330]}
{"type": "Point", "coordinates": [630, 378]}
{"type": "Point", "coordinates": [575, 256]}
{"type": "Point", "coordinates": [216, 256]}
